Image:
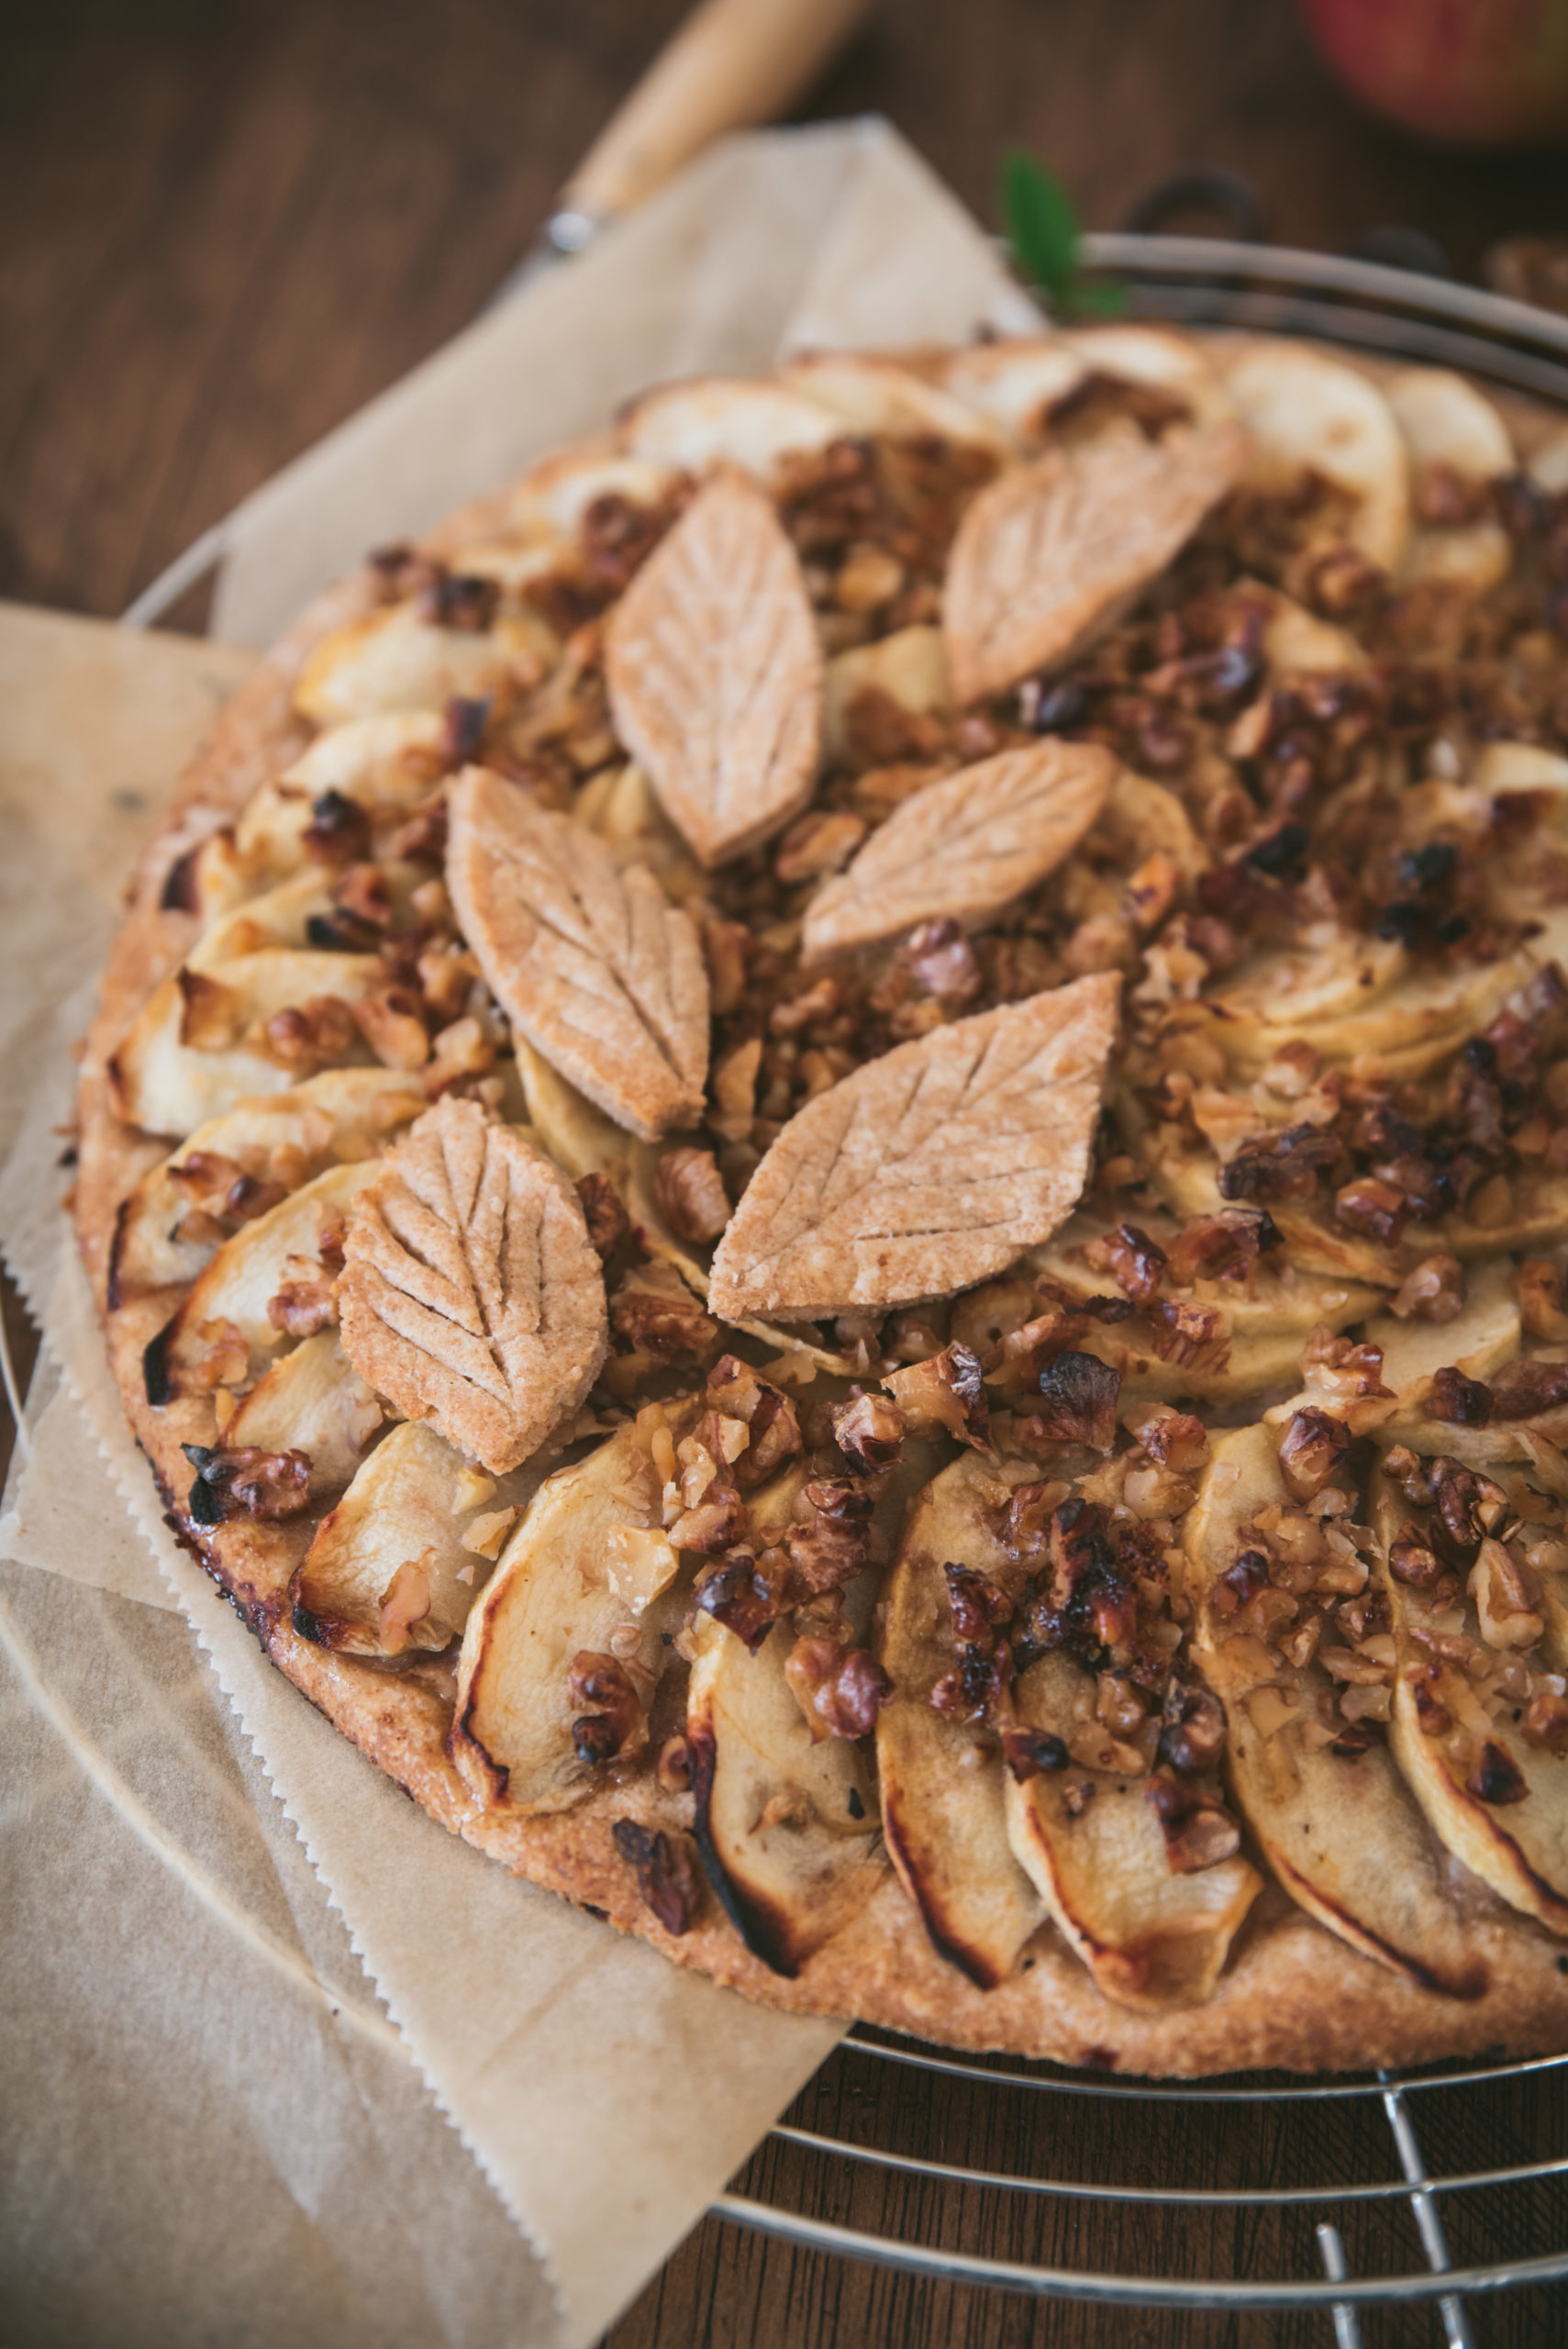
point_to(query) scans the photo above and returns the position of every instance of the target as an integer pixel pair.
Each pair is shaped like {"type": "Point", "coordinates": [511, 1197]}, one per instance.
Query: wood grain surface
{"type": "Point", "coordinates": [222, 228]}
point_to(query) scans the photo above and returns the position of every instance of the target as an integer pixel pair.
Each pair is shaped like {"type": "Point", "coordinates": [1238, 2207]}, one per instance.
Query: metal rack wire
{"type": "Point", "coordinates": [1211, 281]}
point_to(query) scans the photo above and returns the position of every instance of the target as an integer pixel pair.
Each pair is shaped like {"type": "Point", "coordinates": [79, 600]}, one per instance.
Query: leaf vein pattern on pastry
{"type": "Point", "coordinates": [965, 846]}
{"type": "Point", "coordinates": [471, 1294]}
{"type": "Point", "coordinates": [928, 1169]}
{"type": "Point", "coordinates": [715, 672]}
{"type": "Point", "coordinates": [1051, 550]}
{"type": "Point", "coordinates": [601, 974]}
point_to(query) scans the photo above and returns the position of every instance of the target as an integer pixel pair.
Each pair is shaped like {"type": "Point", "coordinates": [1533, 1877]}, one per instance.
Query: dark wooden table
{"type": "Point", "coordinates": [222, 229]}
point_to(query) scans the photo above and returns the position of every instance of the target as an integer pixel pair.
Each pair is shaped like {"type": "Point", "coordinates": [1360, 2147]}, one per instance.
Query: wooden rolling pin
{"type": "Point", "coordinates": [733, 62]}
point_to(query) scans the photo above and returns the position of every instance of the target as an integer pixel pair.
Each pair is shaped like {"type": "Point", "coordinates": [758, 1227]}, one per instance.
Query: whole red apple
{"type": "Point", "coordinates": [1486, 71]}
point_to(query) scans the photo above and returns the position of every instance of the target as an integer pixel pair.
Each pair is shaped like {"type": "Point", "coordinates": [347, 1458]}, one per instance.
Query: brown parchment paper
{"type": "Point", "coordinates": [606, 2095]}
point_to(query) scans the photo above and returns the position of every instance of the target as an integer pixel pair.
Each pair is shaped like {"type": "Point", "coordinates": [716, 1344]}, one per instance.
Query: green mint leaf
{"type": "Point", "coordinates": [1041, 224]}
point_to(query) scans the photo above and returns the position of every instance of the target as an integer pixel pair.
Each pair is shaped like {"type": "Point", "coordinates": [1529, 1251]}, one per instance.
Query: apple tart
{"type": "Point", "coordinates": [828, 1162]}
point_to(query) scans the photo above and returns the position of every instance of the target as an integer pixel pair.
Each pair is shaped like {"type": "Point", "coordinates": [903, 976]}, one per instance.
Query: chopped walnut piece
{"type": "Point", "coordinates": [718, 1522]}
{"type": "Point", "coordinates": [1546, 1722]}
{"type": "Point", "coordinates": [1494, 1777]}
{"type": "Point", "coordinates": [773, 1426]}
{"type": "Point", "coordinates": [1222, 1247]}
{"type": "Point", "coordinates": [945, 1391]}
{"type": "Point", "coordinates": [1194, 1337]}
{"type": "Point", "coordinates": [218, 1186]}
{"type": "Point", "coordinates": [977, 1684]}
{"type": "Point", "coordinates": [1192, 1733]}
{"type": "Point", "coordinates": [1311, 1448]}
{"type": "Point", "coordinates": [246, 1481]}
{"type": "Point", "coordinates": [1372, 1207]}
{"type": "Point", "coordinates": [306, 1299]}
{"type": "Point", "coordinates": [1078, 1400]}
{"type": "Point", "coordinates": [821, 842]}
{"type": "Point", "coordinates": [1411, 1561]}
{"type": "Point", "coordinates": [1521, 1389]}
{"type": "Point", "coordinates": [1507, 1597]}
{"type": "Point", "coordinates": [736, 1594]}
{"type": "Point", "coordinates": [830, 1542]}
{"type": "Point", "coordinates": [1029, 1751]}
{"type": "Point", "coordinates": [338, 831]}
{"type": "Point", "coordinates": [939, 958]}
{"type": "Point", "coordinates": [868, 1430]}
{"type": "Point", "coordinates": [603, 1212]}
{"type": "Point", "coordinates": [1541, 1284]}
{"type": "Point", "coordinates": [1433, 1292]}
{"type": "Point", "coordinates": [691, 1194]}
{"type": "Point", "coordinates": [306, 1036]}
{"type": "Point", "coordinates": [1133, 1261]}
{"type": "Point", "coordinates": [666, 1878]}
{"type": "Point", "coordinates": [656, 1312]}
{"type": "Point", "coordinates": [462, 1049]}
{"type": "Point", "coordinates": [725, 945]}
{"type": "Point", "coordinates": [977, 1604]}
{"type": "Point", "coordinates": [1464, 1402]}
{"type": "Point", "coordinates": [392, 1020]}
{"type": "Point", "coordinates": [1198, 1830]}
{"type": "Point", "coordinates": [840, 1694]}
{"type": "Point", "coordinates": [611, 1715]}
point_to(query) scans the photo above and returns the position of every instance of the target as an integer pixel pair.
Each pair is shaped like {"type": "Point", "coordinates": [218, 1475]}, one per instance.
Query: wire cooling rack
{"type": "Point", "coordinates": [1207, 282]}
{"type": "Point", "coordinates": [1213, 282]}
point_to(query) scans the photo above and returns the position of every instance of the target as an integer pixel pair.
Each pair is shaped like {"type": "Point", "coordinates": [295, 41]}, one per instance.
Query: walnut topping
{"type": "Point", "coordinates": [840, 1694]}
{"type": "Point", "coordinates": [768, 1418]}
{"type": "Point", "coordinates": [1029, 1751]}
{"type": "Point", "coordinates": [1507, 1597]}
{"type": "Point", "coordinates": [1312, 1447]}
{"type": "Point", "coordinates": [868, 1431]}
{"type": "Point", "coordinates": [612, 1715]}
{"type": "Point", "coordinates": [1463, 1402]}
{"type": "Point", "coordinates": [1410, 1561]}
{"type": "Point", "coordinates": [306, 1299]}
{"type": "Point", "coordinates": [1198, 1830]}
{"type": "Point", "coordinates": [218, 1188]}
{"type": "Point", "coordinates": [945, 1391]}
{"type": "Point", "coordinates": [1133, 1261]}
{"type": "Point", "coordinates": [976, 1603]}
{"type": "Point", "coordinates": [691, 1194]}
{"type": "Point", "coordinates": [1078, 1400]}
{"type": "Point", "coordinates": [307, 1036]}
{"type": "Point", "coordinates": [1192, 1733]}
{"type": "Point", "coordinates": [656, 1312]}
{"type": "Point", "coordinates": [1433, 1292]}
{"type": "Point", "coordinates": [1546, 1722]}
{"type": "Point", "coordinates": [718, 1522]}
{"type": "Point", "coordinates": [1494, 1777]}
{"type": "Point", "coordinates": [1521, 1389]}
{"type": "Point", "coordinates": [1539, 1284]}
{"type": "Point", "coordinates": [740, 1595]}
{"type": "Point", "coordinates": [666, 1876]}
{"type": "Point", "coordinates": [246, 1481]}
{"type": "Point", "coordinates": [603, 1212]}
{"type": "Point", "coordinates": [830, 1542]}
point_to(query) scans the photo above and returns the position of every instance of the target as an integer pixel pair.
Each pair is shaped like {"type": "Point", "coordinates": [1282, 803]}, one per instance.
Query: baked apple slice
{"type": "Point", "coordinates": [398, 661]}
{"type": "Point", "coordinates": [942, 1807]}
{"type": "Point", "coordinates": [586, 1583]}
{"type": "Point", "coordinates": [1479, 1727]}
{"type": "Point", "coordinates": [400, 1561]}
{"type": "Point", "coordinates": [198, 1046]}
{"type": "Point", "coordinates": [1328, 1809]}
{"type": "Point", "coordinates": [225, 1332]}
{"type": "Point", "coordinates": [314, 1401]}
{"type": "Point", "coordinates": [176, 1219]}
{"type": "Point", "coordinates": [786, 1820]}
{"type": "Point", "coordinates": [1150, 1912]}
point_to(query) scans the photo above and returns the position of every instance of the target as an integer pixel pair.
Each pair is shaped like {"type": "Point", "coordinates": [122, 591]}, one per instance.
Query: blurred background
{"type": "Point", "coordinates": [223, 228]}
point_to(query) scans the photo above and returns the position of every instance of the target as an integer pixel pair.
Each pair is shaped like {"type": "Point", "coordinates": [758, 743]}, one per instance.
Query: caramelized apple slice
{"type": "Point", "coordinates": [394, 660]}
{"type": "Point", "coordinates": [588, 1563]}
{"type": "Point", "coordinates": [192, 1052]}
{"type": "Point", "coordinates": [406, 1513]}
{"type": "Point", "coordinates": [1095, 1846]}
{"type": "Point", "coordinates": [313, 1400]}
{"type": "Point", "coordinates": [1496, 1798]}
{"type": "Point", "coordinates": [227, 1307]}
{"type": "Point", "coordinates": [942, 1807]}
{"type": "Point", "coordinates": [1340, 1830]}
{"type": "Point", "coordinates": [717, 420]}
{"type": "Point", "coordinates": [910, 667]}
{"type": "Point", "coordinates": [786, 1826]}
{"type": "Point", "coordinates": [342, 1115]}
